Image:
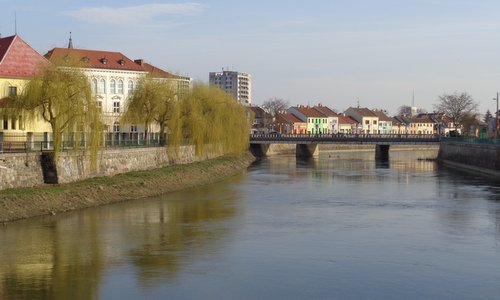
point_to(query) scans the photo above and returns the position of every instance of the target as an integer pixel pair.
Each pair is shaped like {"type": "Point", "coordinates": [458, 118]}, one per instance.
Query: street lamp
{"type": "Point", "coordinates": [496, 118]}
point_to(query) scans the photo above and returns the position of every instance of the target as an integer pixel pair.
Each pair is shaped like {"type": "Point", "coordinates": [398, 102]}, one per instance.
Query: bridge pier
{"type": "Point", "coordinates": [306, 150]}
{"type": "Point", "coordinates": [382, 152]}
{"type": "Point", "coordinates": [259, 150]}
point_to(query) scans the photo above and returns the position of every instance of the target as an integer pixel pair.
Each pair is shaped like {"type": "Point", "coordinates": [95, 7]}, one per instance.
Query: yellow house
{"type": "Point", "coordinates": [19, 62]}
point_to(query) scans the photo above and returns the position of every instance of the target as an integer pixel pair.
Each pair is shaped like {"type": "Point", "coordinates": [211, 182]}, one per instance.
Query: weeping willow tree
{"type": "Point", "coordinates": [63, 98]}
{"type": "Point", "coordinates": [153, 101]}
{"type": "Point", "coordinates": [210, 117]}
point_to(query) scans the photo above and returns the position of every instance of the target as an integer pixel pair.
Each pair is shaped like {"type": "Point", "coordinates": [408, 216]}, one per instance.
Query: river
{"type": "Point", "coordinates": [341, 226]}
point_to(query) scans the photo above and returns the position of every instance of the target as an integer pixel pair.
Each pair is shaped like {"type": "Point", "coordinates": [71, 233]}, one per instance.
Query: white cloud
{"type": "Point", "coordinates": [133, 14]}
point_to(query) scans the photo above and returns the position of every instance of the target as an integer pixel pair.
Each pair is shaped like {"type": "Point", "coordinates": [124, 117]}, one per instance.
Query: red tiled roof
{"type": "Point", "coordinates": [292, 118]}
{"type": "Point", "coordinates": [381, 115]}
{"type": "Point", "coordinates": [94, 59]}
{"type": "Point", "coordinates": [18, 59]}
{"type": "Point", "coordinates": [325, 110]}
{"type": "Point", "coordinates": [155, 71]}
{"type": "Point", "coordinates": [346, 120]}
{"type": "Point", "coordinates": [310, 112]}
{"type": "Point", "coordinates": [4, 46]}
{"type": "Point", "coordinates": [363, 111]}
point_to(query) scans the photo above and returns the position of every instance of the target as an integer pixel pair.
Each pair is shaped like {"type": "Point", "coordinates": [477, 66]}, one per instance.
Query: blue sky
{"type": "Point", "coordinates": [333, 52]}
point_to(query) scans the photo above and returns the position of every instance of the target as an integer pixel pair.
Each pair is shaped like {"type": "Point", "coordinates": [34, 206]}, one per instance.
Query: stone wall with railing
{"type": "Point", "coordinates": [26, 170]}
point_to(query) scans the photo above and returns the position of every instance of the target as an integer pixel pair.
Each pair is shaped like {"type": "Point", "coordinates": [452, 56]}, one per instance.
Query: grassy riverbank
{"type": "Point", "coordinates": [24, 203]}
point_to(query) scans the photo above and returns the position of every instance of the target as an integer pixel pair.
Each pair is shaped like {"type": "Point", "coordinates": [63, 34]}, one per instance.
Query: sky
{"type": "Point", "coordinates": [338, 52]}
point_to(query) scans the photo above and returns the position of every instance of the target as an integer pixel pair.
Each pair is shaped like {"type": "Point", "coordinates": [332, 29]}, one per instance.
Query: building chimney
{"type": "Point", "coordinates": [140, 62]}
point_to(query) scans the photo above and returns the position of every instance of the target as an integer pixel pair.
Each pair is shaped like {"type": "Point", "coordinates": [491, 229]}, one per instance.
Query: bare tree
{"type": "Point", "coordinates": [275, 106]}
{"type": "Point", "coordinates": [456, 106]}
{"type": "Point", "coordinates": [404, 110]}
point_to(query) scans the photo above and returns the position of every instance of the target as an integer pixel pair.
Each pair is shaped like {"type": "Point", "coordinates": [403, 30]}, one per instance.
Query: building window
{"type": "Point", "coordinates": [102, 86]}
{"type": "Point", "coordinates": [13, 123]}
{"type": "Point", "coordinates": [112, 86]}
{"type": "Point", "coordinates": [133, 128]}
{"type": "Point", "coordinates": [116, 106]}
{"type": "Point", "coordinates": [5, 122]}
{"type": "Point", "coordinates": [99, 106]}
{"type": "Point", "coordinates": [374, 122]}
{"type": "Point", "coordinates": [94, 85]}
{"type": "Point", "coordinates": [116, 127]}
{"type": "Point", "coordinates": [12, 91]}
{"type": "Point", "coordinates": [120, 87]}
{"type": "Point", "coordinates": [130, 86]}
{"type": "Point", "coordinates": [367, 122]}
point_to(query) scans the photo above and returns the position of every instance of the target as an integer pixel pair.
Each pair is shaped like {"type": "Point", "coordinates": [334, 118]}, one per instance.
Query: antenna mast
{"type": "Point", "coordinates": [15, 23]}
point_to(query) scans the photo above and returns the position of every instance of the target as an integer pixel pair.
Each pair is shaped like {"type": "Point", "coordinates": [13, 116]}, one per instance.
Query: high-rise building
{"type": "Point", "coordinates": [239, 85]}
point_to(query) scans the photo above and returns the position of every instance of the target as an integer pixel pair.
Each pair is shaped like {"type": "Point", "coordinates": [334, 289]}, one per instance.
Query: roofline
{"type": "Point", "coordinates": [7, 51]}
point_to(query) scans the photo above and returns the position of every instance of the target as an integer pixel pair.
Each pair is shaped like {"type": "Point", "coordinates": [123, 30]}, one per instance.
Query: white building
{"type": "Point", "coordinates": [113, 78]}
{"type": "Point", "coordinates": [239, 85]}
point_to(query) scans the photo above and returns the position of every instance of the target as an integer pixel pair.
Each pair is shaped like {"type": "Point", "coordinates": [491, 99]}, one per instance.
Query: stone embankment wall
{"type": "Point", "coordinates": [478, 157]}
{"type": "Point", "coordinates": [25, 170]}
{"type": "Point", "coordinates": [20, 170]}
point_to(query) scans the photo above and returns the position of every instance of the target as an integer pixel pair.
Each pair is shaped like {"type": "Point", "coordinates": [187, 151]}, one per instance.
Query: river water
{"type": "Point", "coordinates": [341, 226]}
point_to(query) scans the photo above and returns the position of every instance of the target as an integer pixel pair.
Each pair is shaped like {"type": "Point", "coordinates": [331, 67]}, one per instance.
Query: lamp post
{"type": "Point", "coordinates": [496, 118]}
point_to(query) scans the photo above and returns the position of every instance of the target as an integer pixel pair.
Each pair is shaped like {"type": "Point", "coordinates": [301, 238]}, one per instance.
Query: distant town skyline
{"type": "Point", "coordinates": [330, 52]}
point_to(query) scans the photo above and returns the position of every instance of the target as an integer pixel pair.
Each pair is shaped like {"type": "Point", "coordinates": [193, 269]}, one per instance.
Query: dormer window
{"type": "Point", "coordinates": [121, 62]}
{"type": "Point", "coordinates": [85, 59]}
{"type": "Point", "coordinates": [104, 60]}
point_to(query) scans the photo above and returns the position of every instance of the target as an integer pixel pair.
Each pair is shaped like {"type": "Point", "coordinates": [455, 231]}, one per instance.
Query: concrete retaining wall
{"type": "Point", "coordinates": [22, 170]}
{"type": "Point", "coordinates": [482, 158]}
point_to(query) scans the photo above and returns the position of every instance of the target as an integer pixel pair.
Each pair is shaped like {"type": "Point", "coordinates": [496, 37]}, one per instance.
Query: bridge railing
{"type": "Point", "coordinates": [472, 140]}
{"type": "Point", "coordinates": [344, 137]}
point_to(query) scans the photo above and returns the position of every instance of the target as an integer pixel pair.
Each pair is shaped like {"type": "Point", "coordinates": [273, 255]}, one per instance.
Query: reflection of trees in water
{"type": "Point", "coordinates": [183, 229]}
{"type": "Point", "coordinates": [354, 166]}
{"type": "Point", "coordinates": [57, 260]}
{"type": "Point", "coordinates": [64, 257]}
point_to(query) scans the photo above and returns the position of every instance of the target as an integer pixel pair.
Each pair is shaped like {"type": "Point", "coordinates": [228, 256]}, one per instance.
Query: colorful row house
{"type": "Point", "coordinates": [290, 124]}
{"type": "Point", "coordinates": [317, 122]}
{"type": "Point", "coordinates": [367, 119]}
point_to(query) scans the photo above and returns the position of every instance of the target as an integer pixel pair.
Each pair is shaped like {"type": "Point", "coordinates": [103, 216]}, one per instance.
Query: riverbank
{"type": "Point", "coordinates": [16, 204]}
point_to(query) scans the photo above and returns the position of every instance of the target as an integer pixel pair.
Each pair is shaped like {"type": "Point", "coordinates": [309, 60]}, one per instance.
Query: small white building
{"type": "Point", "coordinates": [239, 85]}
{"type": "Point", "coordinates": [365, 117]}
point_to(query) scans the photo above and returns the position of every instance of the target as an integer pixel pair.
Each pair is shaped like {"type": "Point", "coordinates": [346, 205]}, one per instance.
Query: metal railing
{"type": "Point", "coordinates": [472, 140]}
{"type": "Point", "coordinates": [16, 146]}
{"type": "Point", "coordinates": [348, 138]}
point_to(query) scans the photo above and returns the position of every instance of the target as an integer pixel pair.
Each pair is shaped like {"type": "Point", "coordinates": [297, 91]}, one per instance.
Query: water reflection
{"type": "Point", "coordinates": [338, 226]}
{"type": "Point", "coordinates": [65, 257]}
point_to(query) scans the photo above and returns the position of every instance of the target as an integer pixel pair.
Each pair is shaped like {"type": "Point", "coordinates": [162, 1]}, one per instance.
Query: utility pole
{"type": "Point", "coordinates": [496, 118]}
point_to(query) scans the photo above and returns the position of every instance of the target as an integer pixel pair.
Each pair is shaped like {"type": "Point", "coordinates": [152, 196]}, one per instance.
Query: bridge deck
{"type": "Point", "coordinates": [377, 139]}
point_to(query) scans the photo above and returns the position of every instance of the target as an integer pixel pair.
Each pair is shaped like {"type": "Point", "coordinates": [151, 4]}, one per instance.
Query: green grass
{"type": "Point", "coordinates": [135, 177]}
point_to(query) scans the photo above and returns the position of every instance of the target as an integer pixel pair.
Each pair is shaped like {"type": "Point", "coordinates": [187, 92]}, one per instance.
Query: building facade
{"type": "Point", "coordinates": [237, 84]}
{"type": "Point", "coordinates": [367, 119]}
{"type": "Point", "coordinates": [317, 122]}
{"type": "Point", "coordinates": [113, 78]}
{"type": "Point", "coordinates": [384, 122]}
{"type": "Point", "coordinates": [19, 63]}
{"type": "Point", "coordinates": [332, 118]}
